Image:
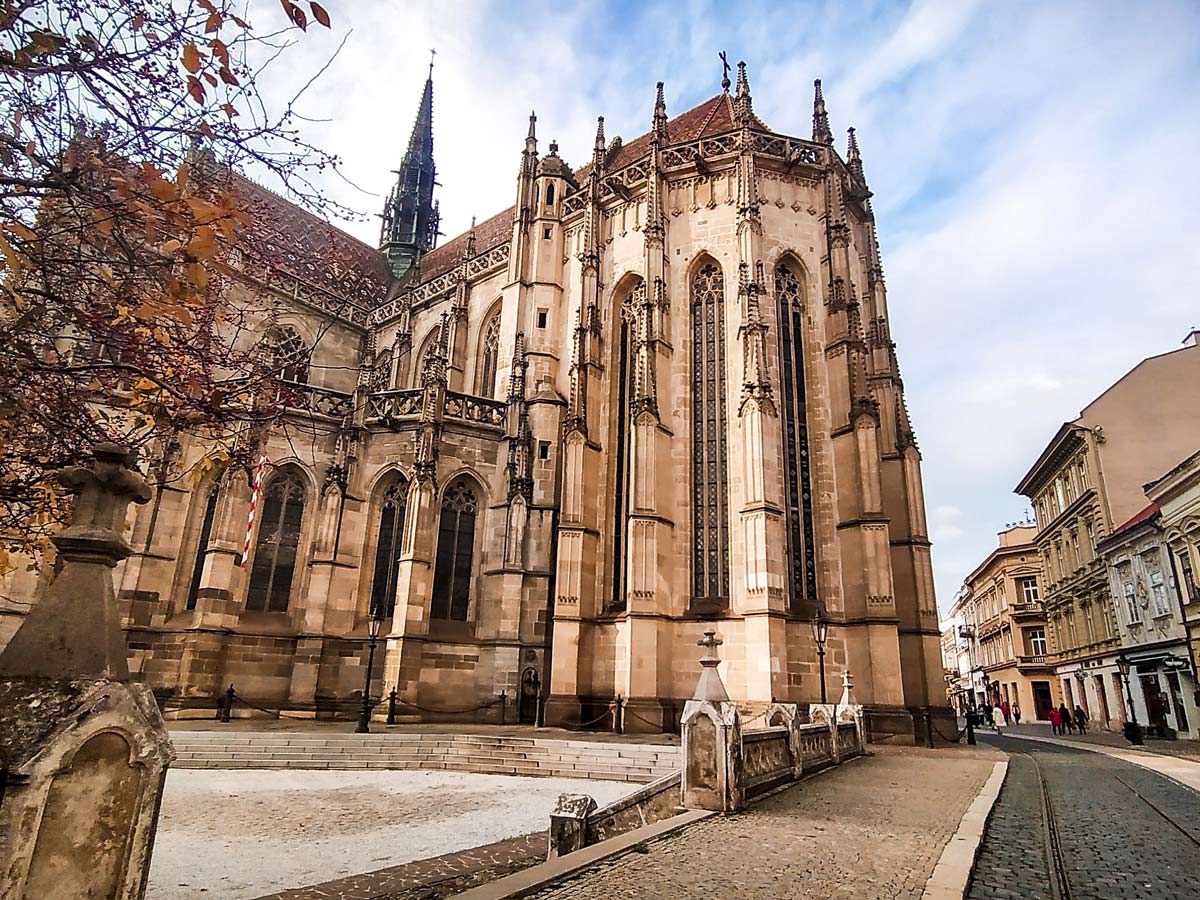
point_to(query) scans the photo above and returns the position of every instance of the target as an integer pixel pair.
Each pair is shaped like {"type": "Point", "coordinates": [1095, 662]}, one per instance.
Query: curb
{"type": "Point", "coordinates": [952, 873]}
{"type": "Point", "coordinates": [525, 882]}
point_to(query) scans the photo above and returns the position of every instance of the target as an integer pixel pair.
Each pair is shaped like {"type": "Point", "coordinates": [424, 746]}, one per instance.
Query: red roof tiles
{"type": "Point", "coordinates": [1144, 516]}
{"type": "Point", "coordinates": [488, 234]}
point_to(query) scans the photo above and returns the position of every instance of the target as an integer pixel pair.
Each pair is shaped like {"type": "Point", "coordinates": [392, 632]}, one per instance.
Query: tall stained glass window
{"type": "Point", "coordinates": [274, 562]}
{"type": "Point", "coordinates": [387, 551]}
{"type": "Point", "coordinates": [710, 479]}
{"type": "Point", "coordinates": [802, 563]}
{"type": "Point", "coordinates": [455, 553]}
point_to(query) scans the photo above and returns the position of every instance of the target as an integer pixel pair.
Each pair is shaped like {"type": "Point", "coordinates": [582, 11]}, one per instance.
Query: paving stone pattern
{"type": "Point", "coordinates": [427, 879]}
{"type": "Point", "coordinates": [1114, 844]}
{"type": "Point", "coordinates": [871, 829]}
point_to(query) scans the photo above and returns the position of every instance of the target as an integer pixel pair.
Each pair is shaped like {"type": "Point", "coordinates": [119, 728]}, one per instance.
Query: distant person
{"type": "Point", "coordinates": [1080, 719]}
{"type": "Point", "coordinates": [1055, 721]}
{"type": "Point", "coordinates": [998, 720]}
{"type": "Point", "coordinates": [1065, 715]}
{"type": "Point", "coordinates": [1016, 714]}
{"type": "Point", "coordinates": [1007, 710]}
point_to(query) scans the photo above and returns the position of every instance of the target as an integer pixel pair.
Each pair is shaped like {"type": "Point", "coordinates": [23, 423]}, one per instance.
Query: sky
{"type": "Point", "coordinates": [1034, 167]}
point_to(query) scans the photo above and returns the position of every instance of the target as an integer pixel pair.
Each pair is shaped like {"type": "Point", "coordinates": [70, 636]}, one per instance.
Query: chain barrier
{"type": "Point", "coordinates": [232, 695]}
{"type": "Point", "coordinates": [657, 726]}
{"type": "Point", "coordinates": [579, 726]}
{"type": "Point", "coordinates": [452, 712]}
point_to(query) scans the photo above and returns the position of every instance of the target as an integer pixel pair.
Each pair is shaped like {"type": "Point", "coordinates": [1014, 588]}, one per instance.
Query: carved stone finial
{"type": "Point", "coordinates": [710, 687]}
{"type": "Point", "coordinates": [660, 117]}
{"type": "Point", "coordinates": [75, 631]}
{"type": "Point", "coordinates": [725, 82]}
{"type": "Point", "coordinates": [821, 134]}
{"type": "Point", "coordinates": [847, 698]}
{"type": "Point", "coordinates": [742, 103]}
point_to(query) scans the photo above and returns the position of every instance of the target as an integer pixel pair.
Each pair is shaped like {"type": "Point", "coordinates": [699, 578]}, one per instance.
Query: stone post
{"type": "Point", "coordinates": [85, 751]}
{"type": "Point", "coordinates": [850, 710]}
{"type": "Point", "coordinates": [568, 824]}
{"type": "Point", "coordinates": [712, 740]}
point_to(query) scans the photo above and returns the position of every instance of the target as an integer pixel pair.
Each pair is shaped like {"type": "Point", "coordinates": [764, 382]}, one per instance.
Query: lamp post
{"type": "Point", "coordinates": [1133, 731]}
{"type": "Point", "coordinates": [820, 630]}
{"type": "Point", "coordinates": [374, 624]}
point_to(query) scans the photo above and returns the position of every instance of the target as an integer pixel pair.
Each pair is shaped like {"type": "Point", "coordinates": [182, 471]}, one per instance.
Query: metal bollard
{"type": "Point", "coordinates": [504, 707]}
{"type": "Point", "coordinates": [391, 716]}
{"type": "Point", "coordinates": [971, 727]}
{"type": "Point", "coordinates": [228, 708]}
{"type": "Point", "coordinates": [928, 729]}
{"type": "Point", "coordinates": [619, 715]}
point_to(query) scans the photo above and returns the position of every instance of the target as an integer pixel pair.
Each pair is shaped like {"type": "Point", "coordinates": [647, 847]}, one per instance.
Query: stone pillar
{"type": "Point", "coordinates": [712, 740]}
{"type": "Point", "coordinates": [568, 824]}
{"type": "Point", "coordinates": [85, 750]}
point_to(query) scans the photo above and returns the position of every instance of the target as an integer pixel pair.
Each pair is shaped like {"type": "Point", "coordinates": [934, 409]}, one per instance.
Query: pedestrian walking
{"type": "Point", "coordinates": [1080, 719]}
{"type": "Point", "coordinates": [998, 720]}
{"type": "Point", "coordinates": [1055, 721]}
{"type": "Point", "coordinates": [1065, 715]}
{"type": "Point", "coordinates": [1016, 714]}
{"type": "Point", "coordinates": [1007, 710]}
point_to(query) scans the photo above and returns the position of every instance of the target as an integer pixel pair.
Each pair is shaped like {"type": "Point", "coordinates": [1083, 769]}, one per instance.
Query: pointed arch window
{"type": "Point", "coordinates": [802, 563]}
{"type": "Point", "coordinates": [710, 479]}
{"type": "Point", "coordinates": [381, 372]}
{"type": "Point", "coordinates": [206, 527]}
{"type": "Point", "coordinates": [387, 550]}
{"type": "Point", "coordinates": [429, 353]}
{"type": "Point", "coordinates": [455, 553]}
{"type": "Point", "coordinates": [273, 566]}
{"type": "Point", "coordinates": [288, 355]}
{"type": "Point", "coordinates": [489, 355]}
{"type": "Point", "coordinates": [621, 426]}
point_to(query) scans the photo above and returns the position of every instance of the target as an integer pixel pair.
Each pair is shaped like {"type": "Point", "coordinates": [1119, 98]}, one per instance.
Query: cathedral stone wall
{"type": "Point", "coordinates": [521, 456]}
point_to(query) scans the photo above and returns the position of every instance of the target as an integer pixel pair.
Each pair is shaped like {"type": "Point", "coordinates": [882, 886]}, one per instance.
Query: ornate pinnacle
{"type": "Point", "coordinates": [598, 153]}
{"type": "Point", "coordinates": [820, 133]}
{"type": "Point", "coordinates": [531, 137]}
{"type": "Point", "coordinates": [660, 117]}
{"type": "Point", "coordinates": [710, 688]}
{"type": "Point", "coordinates": [742, 104]}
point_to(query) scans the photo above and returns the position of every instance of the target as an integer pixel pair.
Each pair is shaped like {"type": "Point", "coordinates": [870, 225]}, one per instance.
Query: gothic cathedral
{"type": "Point", "coordinates": [656, 396]}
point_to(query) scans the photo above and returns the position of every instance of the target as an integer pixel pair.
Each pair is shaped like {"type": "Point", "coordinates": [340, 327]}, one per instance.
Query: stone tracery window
{"type": "Point", "coordinates": [274, 563]}
{"type": "Point", "coordinates": [802, 562]}
{"type": "Point", "coordinates": [288, 354]}
{"type": "Point", "coordinates": [621, 427]}
{"type": "Point", "coordinates": [489, 355]}
{"type": "Point", "coordinates": [381, 373]}
{"type": "Point", "coordinates": [387, 549]}
{"type": "Point", "coordinates": [710, 479]}
{"type": "Point", "coordinates": [206, 526]}
{"type": "Point", "coordinates": [455, 553]}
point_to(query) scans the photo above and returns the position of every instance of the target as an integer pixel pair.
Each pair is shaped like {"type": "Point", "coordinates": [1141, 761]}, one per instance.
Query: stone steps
{"type": "Point", "coordinates": [637, 763]}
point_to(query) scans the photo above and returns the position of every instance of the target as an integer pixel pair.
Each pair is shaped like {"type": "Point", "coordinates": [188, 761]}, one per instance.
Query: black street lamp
{"type": "Point", "coordinates": [374, 625]}
{"type": "Point", "coordinates": [1133, 731]}
{"type": "Point", "coordinates": [820, 630]}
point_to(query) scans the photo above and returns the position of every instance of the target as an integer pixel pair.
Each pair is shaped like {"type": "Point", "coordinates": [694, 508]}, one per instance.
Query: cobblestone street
{"type": "Point", "coordinates": [870, 830]}
{"type": "Point", "coordinates": [1118, 830]}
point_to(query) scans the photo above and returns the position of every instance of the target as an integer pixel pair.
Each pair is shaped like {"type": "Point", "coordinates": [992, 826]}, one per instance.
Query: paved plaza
{"type": "Point", "coordinates": [871, 829]}
{"type": "Point", "coordinates": [247, 833]}
{"type": "Point", "coordinates": [1110, 830]}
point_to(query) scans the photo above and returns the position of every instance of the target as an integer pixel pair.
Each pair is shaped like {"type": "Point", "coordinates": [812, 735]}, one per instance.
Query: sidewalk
{"type": "Point", "coordinates": [1182, 749]}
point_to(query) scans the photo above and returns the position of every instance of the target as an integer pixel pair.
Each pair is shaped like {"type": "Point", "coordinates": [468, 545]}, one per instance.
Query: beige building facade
{"type": "Point", "coordinates": [658, 395]}
{"type": "Point", "coordinates": [1087, 481]}
{"type": "Point", "coordinates": [1003, 623]}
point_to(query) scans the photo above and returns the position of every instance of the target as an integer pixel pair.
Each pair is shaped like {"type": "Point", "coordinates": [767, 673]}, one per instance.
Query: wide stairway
{"type": "Point", "coordinates": [493, 755]}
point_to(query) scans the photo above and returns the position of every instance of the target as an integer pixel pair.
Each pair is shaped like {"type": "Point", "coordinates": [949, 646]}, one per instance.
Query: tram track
{"type": "Point", "coordinates": [1060, 885]}
{"type": "Point", "coordinates": [1154, 806]}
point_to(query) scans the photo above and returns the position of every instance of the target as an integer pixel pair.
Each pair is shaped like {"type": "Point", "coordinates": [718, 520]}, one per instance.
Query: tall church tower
{"type": "Point", "coordinates": [410, 217]}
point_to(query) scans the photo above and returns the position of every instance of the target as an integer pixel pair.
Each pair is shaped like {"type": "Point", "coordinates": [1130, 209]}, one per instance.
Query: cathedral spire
{"type": "Point", "coordinates": [410, 217]}
{"type": "Point", "coordinates": [820, 132]}
{"type": "Point", "coordinates": [598, 151]}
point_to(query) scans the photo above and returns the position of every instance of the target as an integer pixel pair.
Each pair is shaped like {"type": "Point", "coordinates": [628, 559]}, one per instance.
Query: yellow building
{"type": "Point", "coordinates": [1088, 480]}
{"type": "Point", "coordinates": [1005, 624]}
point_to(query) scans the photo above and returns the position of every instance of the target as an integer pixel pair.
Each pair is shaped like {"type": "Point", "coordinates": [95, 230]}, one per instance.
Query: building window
{"type": "Point", "coordinates": [387, 550]}
{"type": "Point", "coordinates": [1131, 605]}
{"type": "Point", "coordinates": [278, 543]}
{"type": "Point", "coordinates": [1037, 641]}
{"type": "Point", "coordinates": [543, 449]}
{"type": "Point", "coordinates": [624, 387]}
{"type": "Point", "coordinates": [455, 553]}
{"type": "Point", "coordinates": [802, 564]}
{"type": "Point", "coordinates": [1029, 590]}
{"type": "Point", "coordinates": [550, 194]}
{"type": "Point", "coordinates": [206, 526]}
{"type": "Point", "coordinates": [542, 315]}
{"type": "Point", "coordinates": [1188, 586]}
{"type": "Point", "coordinates": [490, 354]}
{"type": "Point", "coordinates": [710, 480]}
{"type": "Point", "coordinates": [1060, 495]}
{"type": "Point", "coordinates": [288, 355]}
{"type": "Point", "coordinates": [1158, 593]}
{"type": "Point", "coordinates": [546, 233]}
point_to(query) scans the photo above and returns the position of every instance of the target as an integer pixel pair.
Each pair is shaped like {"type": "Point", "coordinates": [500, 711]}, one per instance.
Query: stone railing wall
{"type": "Point", "coordinates": [767, 759]}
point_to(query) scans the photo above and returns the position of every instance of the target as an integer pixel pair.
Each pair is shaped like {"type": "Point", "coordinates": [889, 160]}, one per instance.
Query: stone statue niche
{"type": "Point", "coordinates": [83, 751]}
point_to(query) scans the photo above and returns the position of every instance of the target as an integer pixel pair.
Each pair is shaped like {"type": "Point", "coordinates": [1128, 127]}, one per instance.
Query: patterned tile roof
{"type": "Point", "coordinates": [488, 234]}
{"type": "Point", "coordinates": [292, 240]}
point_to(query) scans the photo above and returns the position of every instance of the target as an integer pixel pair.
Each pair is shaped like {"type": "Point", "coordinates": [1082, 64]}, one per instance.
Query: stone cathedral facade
{"type": "Point", "coordinates": [657, 395]}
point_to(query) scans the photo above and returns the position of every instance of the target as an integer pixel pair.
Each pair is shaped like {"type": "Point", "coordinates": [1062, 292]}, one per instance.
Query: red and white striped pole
{"type": "Point", "coordinates": [258, 477]}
